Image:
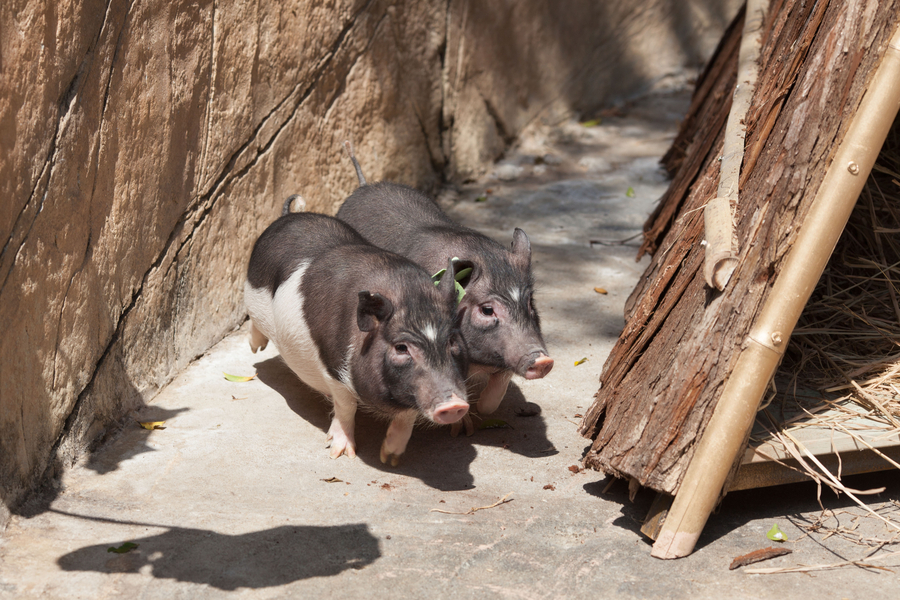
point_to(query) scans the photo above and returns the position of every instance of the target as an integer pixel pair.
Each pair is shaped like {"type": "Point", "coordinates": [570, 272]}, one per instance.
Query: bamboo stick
{"type": "Point", "coordinates": [718, 215]}
{"type": "Point", "coordinates": [736, 409]}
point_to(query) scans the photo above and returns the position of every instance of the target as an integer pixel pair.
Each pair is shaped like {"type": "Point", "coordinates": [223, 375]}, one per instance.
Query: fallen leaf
{"type": "Point", "coordinates": [233, 397]}
{"type": "Point", "coordinates": [126, 547]}
{"type": "Point", "coordinates": [775, 534]}
{"type": "Point", "coordinates": [238, 378]}
{"type": "Point", "coordinates": [550, 487]}
{"type": "Point", "coordinates": [493, 424]}
{"type": "Point", "coordinates": [332, 480]}
{"type": "Point", "coordinates": [151, 425]}
{"type": "Point", "coordinates": [481, 199]}
{"type": "Point", "coordinates": [575, 469]}
{"type": "Point", "coordinates": [758, 556]}
{"type": "Point", "coordinates": [578, 416]}
{"type": "Point", "coordinates": [630, 192]}
{"type": "Point", "coordinates": [581, 360]}
{"type": "Point", "coordinates": [386, 486]}
{"type": "Point", "coordinates": [591, 123]}
{"type": "Point", "coordinates": [600, 290]}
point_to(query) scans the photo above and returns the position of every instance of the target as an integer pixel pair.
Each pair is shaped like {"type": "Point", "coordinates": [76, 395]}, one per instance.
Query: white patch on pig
{"type": "Point", "coordinates": [514, 294]}
{"type": "Point", "coordinates": [259, 306]}
{"type": "Point", "coordinates": [430, 332]}
{"type": "Point", "coordinates": [282, 320]}
{"type": "Point", "coordinates": [292, 335]}
{"type": "Point", "coordinates": [344, 375]}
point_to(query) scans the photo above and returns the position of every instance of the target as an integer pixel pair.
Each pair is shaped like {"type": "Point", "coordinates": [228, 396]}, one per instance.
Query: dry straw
{"type": "Point", "coordinates": [842, 368]}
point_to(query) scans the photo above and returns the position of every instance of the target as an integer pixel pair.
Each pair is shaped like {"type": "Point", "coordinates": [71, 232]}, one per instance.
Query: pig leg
{"type": "Point", "coordinates": [258, 340]}
{"type": "Point", "coordinates": [340, 434]}
{"type": "Point", "coordinates": [493, 393]}
{"type": "Point", "coordinates": [398, 434]}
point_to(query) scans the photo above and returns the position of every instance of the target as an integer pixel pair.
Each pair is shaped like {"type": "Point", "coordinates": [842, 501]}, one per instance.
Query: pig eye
{"type": "Point", "coordinates": [401, 349]}
{"type": "Point", "coordinates": [487, 310]}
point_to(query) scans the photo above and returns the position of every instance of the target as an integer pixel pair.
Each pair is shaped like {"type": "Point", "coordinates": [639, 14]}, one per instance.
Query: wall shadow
{"type": "Point", "coordinates": [259, 559]}
{"type": "Point", "coordinates": [103, 427]}
{"type": "Point", "coordinates": [433, 456]}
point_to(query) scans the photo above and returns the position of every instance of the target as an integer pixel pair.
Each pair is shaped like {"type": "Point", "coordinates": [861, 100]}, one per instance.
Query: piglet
{"type": "Point", "coordinates": [363, 326]}
{"type": "Point", "coordinates": [497, 315]}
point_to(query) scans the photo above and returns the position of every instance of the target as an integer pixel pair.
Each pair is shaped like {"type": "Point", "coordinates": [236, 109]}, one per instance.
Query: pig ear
{"type": "Point", "coordinates": [445, 284]}
{"type": "Point", "coordinates": [521, 248]}
{"type": "Point", "coordinates": [372, 310]}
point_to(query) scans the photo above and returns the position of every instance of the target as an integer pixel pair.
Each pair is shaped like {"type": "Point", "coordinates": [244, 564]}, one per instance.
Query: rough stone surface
{"type": "Point", "coordinates": [237, 498]}
{"type": "Point", "coordinates": [145, 144]}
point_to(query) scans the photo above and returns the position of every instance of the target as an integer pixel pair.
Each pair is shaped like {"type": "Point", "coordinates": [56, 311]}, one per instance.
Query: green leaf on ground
{"type": "Point", "coordinates": [776, 534]}
{"type": "Point", "coordinates": [238, 378]}
{"type": "Point", "coordinates": [126, 547]}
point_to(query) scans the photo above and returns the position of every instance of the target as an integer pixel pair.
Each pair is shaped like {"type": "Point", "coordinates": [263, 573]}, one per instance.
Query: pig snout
{"type": "Point", "coordinates": [535, 365]}
{"type": "Point", "coordinates": [451, 411]}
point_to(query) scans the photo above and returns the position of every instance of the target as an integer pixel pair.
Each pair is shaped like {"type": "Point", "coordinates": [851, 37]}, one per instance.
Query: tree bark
{"type": "Point", "coordinates": [662, 380]}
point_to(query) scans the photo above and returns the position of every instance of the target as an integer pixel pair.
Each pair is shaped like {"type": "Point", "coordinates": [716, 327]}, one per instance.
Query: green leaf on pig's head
{"type": "Point", "coordinates": [460, 292]}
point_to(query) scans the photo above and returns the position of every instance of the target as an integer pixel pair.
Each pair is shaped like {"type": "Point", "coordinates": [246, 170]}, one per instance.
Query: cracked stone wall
{"type": "Point", "coordinates": [144, 144]}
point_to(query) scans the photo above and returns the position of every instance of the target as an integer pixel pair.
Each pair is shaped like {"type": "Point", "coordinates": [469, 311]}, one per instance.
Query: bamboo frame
{"type": "Point", "coordinates": [735, 411]}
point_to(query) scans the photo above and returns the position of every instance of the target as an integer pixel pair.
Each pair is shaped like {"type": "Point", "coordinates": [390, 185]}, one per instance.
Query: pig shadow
{"type": "Point", "coordinates": [259, 559]}
{"type": "Point", "coordinates": [433, 456]}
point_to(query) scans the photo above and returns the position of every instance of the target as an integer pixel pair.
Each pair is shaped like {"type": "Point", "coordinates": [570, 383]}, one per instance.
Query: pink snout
{"type": "Point", "coordinates": [539, 368]}
{"type": "Point", "coordinates": [451, 411]}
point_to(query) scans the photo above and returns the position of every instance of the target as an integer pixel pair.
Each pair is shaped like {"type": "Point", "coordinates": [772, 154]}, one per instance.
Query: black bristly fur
{"type": "Point", "coordinates": [406, 221]}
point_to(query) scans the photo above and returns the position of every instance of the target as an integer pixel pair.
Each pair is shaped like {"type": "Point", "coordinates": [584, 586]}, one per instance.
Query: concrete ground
{"type": "Point", "coordinates": [237, 495]}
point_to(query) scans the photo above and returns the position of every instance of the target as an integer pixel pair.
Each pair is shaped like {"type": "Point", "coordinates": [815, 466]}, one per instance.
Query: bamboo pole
{"type": "Point", "coordinates": [718, 217]}
{"type": "Point", "coordinates": [736, 409]}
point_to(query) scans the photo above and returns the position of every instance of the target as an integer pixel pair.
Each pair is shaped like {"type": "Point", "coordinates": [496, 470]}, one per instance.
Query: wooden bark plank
{"type": "Point", "coordinates": [662, 379]}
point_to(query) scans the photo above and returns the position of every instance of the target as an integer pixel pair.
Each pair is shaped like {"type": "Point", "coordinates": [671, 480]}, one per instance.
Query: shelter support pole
{"type": "Point", "coordinates": [724, 436]}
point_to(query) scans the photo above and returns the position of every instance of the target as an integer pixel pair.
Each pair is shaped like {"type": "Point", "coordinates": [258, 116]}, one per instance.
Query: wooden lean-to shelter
{"type": "Point", "coordinates": [758, 201]}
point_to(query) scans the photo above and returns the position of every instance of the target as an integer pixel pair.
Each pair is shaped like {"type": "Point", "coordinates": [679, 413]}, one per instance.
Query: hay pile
{"type": "Point", "coordinates": [847, 341]}
{"type": "Point", "coordinates": [842, 368]}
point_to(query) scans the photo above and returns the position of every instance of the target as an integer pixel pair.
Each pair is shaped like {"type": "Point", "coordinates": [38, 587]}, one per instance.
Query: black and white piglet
{"type": "Point", "coordinates": [497, 314]}
{"type": "Point", "coordinates": [359, 324]}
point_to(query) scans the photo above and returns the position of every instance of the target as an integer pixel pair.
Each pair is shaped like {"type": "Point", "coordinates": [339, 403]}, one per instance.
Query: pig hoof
{"type": "Point", "coordinates": [341, 444]}
{"type": "Point", "coordinates": [348, 450]}
{"type": "Point", "coordinates": [258, 341]}
{"type": "Point", "coordinates": [467, 421]}
{"type": "Point", "coordinates": [385, 455]}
